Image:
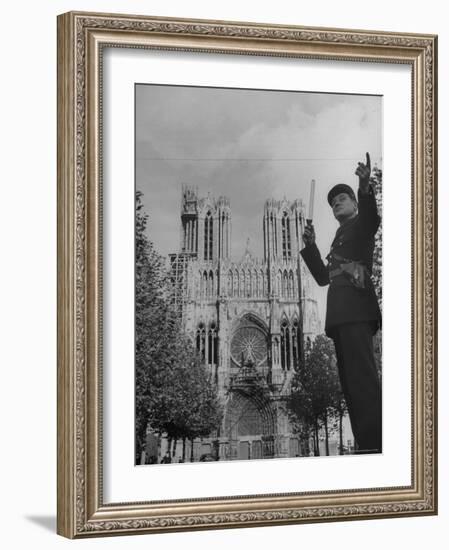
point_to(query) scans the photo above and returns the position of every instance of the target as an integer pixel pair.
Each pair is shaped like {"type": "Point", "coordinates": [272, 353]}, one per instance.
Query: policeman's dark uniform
{"type": "Point", "coordinates": [353, 315]}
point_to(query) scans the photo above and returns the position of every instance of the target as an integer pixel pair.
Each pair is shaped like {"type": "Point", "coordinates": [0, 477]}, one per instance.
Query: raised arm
{"type": "Point", "coordinates": [312, 257]}
{"type": "Point", "coordinates": [368, 215]}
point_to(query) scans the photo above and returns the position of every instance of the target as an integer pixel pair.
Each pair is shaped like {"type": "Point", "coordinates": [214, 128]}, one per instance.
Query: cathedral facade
{"type": "Point", "coordinates": [248, 318]}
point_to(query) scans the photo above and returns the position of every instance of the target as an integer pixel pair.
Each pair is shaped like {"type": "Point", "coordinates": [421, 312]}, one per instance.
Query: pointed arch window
{"type": "Point", "coordinates": [200, 284]}
{"type": "Point", "coordinates": [230, 284]}
{"type": "Point", "coordinates": [201, 341]}
{"type": "Point", "coordinates": [286, 237]}
{"type": "Point", "coordinates": [275, 220]}
{"type": "Point", "coordinates": [208, 236]}
{"type": "Point", "coordinates": [204, 285]}
{"type": "Point", "coordinates": [242, 284]}
{"type": "Point", "coordinates": [222, 245]}
{"type": "Point", "coordinates": [256, 284]}
{"type": "Point", "coordinates": [276, 351]}
{"type": "Point", "coordinates": [296, 344]}
{"type": "Point", "coordinates": [285, 345]}
{"type": "Point", "coordinates": [284, 285]}
{"type": "Point", "coordinates": [291, 286]}
{"type": "Point", "coordinates": [211, 285]}
{"type": "Point", "coordinates": [212, 341]}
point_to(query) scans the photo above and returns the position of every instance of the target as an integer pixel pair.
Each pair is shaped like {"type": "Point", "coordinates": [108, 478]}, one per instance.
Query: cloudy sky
{"type": "Point", "coordinates": [248, 145]}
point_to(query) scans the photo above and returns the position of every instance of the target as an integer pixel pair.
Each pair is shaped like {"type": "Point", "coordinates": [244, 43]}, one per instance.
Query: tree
{"type": "Point", "coordinates": [174, 394]}
{"type": "Point", "coordinates": [339, 410]}
{"type": "Point", "coordinates": [200, 413]}
{"type": "Point", "coordinates": [151, 322]}
{"type": "Point", "coordinates": [187, 404]}
{"type": "Point", "coordinates": [316, 396]}
{"type": "Point", "coordinates": [376, 181]}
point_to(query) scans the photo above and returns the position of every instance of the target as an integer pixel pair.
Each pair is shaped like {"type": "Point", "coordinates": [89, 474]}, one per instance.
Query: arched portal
{"type": "Point", "coordinates": [250, 425]}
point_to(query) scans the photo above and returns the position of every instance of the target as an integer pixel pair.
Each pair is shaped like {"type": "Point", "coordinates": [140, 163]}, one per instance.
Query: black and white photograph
{"type": "Point", "coordinates": [223, 288]}
{"type": "Point", "coordinates": [258, 274]}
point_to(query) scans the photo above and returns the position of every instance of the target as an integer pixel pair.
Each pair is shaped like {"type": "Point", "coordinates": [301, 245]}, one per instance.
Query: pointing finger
{"type": "Point", "coordinates": [368, 161]}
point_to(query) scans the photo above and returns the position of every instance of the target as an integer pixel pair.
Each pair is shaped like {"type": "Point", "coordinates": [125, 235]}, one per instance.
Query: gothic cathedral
{"type": "Point", "coordinates": [249, 320]}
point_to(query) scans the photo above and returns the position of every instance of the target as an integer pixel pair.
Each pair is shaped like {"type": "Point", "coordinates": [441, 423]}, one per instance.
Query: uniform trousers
{"type": "Point", "coordinates": [360, 383]}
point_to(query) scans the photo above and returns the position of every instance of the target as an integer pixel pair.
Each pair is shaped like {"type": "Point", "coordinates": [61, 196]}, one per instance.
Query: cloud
{"type": "Point", "coordinates": [248, 145]}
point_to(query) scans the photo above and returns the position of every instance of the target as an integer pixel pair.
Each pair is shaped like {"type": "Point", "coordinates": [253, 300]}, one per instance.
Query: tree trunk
{"type": "Point", "coordinates": [216, 449]}
{"type": "Point", "coordinates": [191, 450]}
{"type": "Point", "coordinates": [317, 439]}
{"type": "Point", "coordinates": [340, 430]}
{"type": "Point", "coordinates": [304, 443]}
{"type": "Point", "coordinates": [169, 446]}
{"type": "Point", "coordinates": [326, 431]}
{"type": "Point", "coordinates": [141, 441]}
{"type": "Point", "coordinates": [159, 442]}
{"type": "Point", "coordinates": [307, 444]}
{"type": "Point", "coordinates": [175, 444]}
{"type": "Point", "coordinates": [183, 449]}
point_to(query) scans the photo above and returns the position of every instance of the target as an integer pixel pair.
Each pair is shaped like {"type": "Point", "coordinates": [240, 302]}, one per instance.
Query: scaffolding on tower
{"type": "Point", "coordinates": [178, 275]}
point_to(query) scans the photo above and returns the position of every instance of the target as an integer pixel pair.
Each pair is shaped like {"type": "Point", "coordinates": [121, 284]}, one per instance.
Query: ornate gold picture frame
{"type": "Point", "coordinates": [82, 41]}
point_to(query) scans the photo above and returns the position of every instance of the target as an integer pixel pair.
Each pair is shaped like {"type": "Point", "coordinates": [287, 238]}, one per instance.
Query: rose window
{"type": "Point", "coordinates": [249, 344]}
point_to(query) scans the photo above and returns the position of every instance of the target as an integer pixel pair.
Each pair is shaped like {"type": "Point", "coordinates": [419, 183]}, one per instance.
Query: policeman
{"type": "Point", "coordinates": [353, 314]}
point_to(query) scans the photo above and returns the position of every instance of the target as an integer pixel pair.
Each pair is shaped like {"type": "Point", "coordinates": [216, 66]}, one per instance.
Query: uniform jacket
{"type": "Point", "coordinates": [354, 241]}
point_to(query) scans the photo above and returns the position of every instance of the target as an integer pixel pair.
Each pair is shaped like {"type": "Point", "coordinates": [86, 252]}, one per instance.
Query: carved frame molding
{"type": "Point", "coordinates": [81, 37]}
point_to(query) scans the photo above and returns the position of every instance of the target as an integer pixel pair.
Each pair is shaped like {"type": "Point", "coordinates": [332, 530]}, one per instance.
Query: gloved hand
{"type": "Point", "coordinates": [308, 235]}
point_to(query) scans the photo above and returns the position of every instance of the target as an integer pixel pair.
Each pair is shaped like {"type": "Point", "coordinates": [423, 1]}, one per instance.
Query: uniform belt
{"type": "Point", "coordinates": [354, 272]}
{"type": "Point", "coordinates": [335, 272]}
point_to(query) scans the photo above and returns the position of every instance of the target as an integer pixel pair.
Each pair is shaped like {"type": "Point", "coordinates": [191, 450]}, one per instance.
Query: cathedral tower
{"type": "Point", "coordinates": [189, 220]}
{"type": "Point", "coordinates": [282, 229]}
{"type": "Point", "coordinates": [214, 229]}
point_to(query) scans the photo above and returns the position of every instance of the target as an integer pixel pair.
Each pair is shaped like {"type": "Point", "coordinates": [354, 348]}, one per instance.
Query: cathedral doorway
{"type": "Point", "coordinates": [250, 422]}
{"type": "Point", "coordinates": [244, 450]}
